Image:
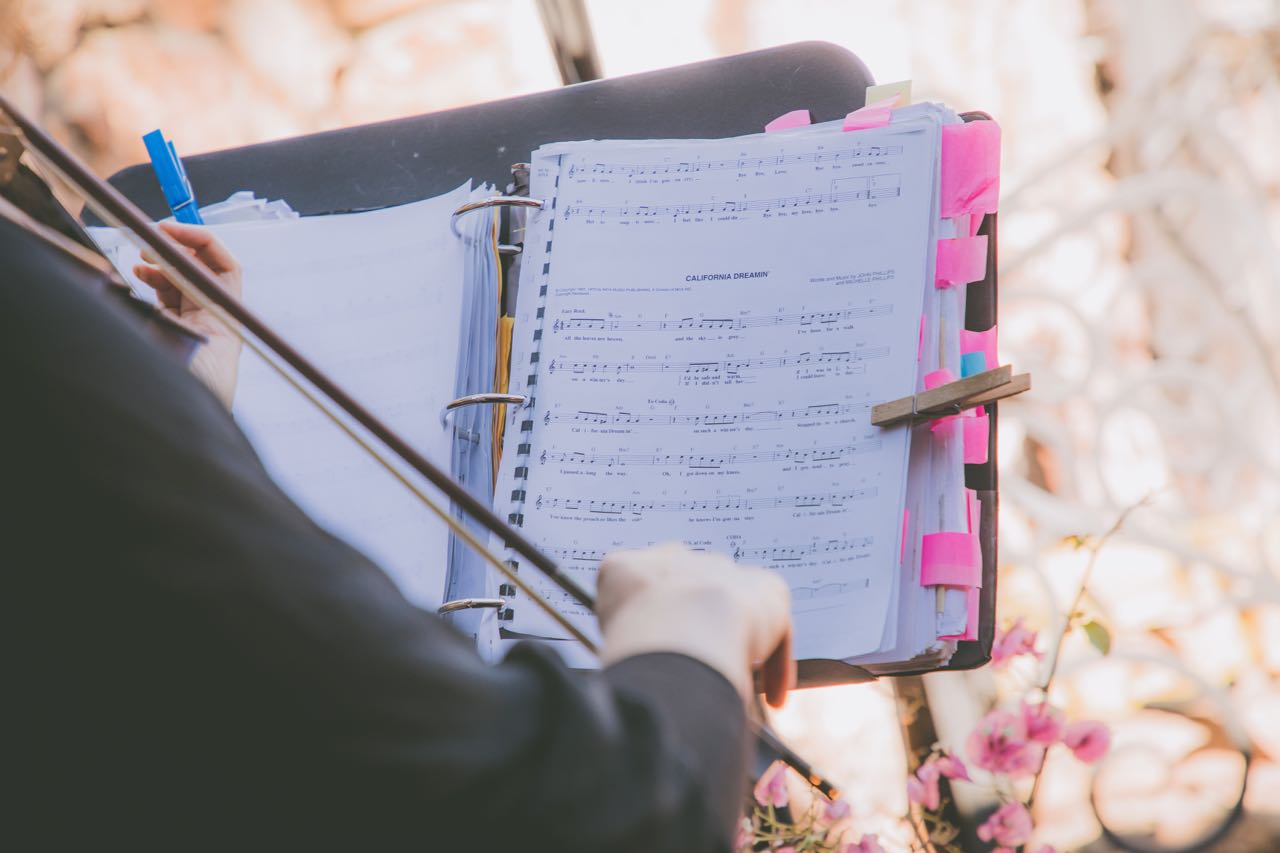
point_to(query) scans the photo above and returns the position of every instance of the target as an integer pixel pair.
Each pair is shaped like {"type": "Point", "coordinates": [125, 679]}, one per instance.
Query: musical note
{"type": "Point", "coordinates": [820, 410]}
{"type": "Point", "coordinates": [717, 504]}
{"type": "Point", "coordinates": [812, 318]}
{"type": "Point", "coordinates": [728, 366]}
{"type": "Point", "coordinates": [633, 170]}
{"type": "Point", "coordinates": [712, 460]}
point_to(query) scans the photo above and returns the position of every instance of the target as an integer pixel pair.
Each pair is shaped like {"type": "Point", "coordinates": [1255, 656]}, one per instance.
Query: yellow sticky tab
{"type": "Point", "coordinates": [506, 326]}
{"type": "Point", "coordinates": [900, 89]}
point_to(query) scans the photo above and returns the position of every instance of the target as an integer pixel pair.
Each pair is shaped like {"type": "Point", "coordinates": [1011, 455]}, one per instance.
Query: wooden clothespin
{"type": "Point", "coordinates": [952, 398]}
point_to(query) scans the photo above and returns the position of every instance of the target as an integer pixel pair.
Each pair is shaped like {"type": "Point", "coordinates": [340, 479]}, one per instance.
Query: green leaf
{"type": "Point", "coordinates": [1098, 635]}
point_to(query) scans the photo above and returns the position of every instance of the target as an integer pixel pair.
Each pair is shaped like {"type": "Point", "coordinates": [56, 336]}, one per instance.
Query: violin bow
{"type": "Point", "coordinates": [195, 282]}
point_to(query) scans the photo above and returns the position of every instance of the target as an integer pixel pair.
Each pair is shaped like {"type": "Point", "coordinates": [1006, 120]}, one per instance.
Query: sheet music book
{"type": "Point", "coordinates": [701, 330]}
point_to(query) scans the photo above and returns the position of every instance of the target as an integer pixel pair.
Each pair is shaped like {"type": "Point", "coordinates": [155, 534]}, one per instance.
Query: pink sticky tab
{"type": "Point", "coordinates": [906, 525]}
{"type": "Point", "coordinates": [872, 115]}
{"type": "Point", "coordinates": [786, 121]}
{"type": "Point", "coordinates": [970, 180]}
{"type": "Point", "coordinates": [938, 377]}
{"type": "Point", "coordinates": [974, 507]}
{"type": "Point", "coordinates": [977, 438]}
{"type": "Point", "coordinates": [983, 342]}
{"type": "Point", "coordinates": [961, 261]}
{"type": "Point", "coordinates": [950, 559]}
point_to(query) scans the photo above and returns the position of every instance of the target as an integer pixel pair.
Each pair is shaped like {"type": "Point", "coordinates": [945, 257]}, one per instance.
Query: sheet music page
{"type": "Point", "coordinates": [704, 328]}
{"type": "Point", "coordinates": [375, 300]}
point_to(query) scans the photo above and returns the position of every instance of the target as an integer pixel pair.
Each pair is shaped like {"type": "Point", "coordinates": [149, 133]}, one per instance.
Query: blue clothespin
{"type": "Point", "coordinates": [173, 179]}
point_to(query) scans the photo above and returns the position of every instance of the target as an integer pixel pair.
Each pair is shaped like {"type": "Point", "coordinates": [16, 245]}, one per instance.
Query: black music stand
{"type": "Point", "coordinates": [395, 162]}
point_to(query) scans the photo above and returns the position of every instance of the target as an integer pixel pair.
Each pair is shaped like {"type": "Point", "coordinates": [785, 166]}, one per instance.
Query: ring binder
{"type": "Point", "coordinates": [494, 201]}
{"type": "Point", "coordinates": [469, 604]}
{"type": "Point", "coordinates": [491, 398]}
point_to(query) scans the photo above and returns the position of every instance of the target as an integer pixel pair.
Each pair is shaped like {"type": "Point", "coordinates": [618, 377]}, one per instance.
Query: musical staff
{"type": "Point", "coordinates": [721, 504]}
{"type": "Point", "coordinates": [812, 318]}
{"type": "Point", "coordinates": [827, 590]}
{"type": "Point", "coordinates": [875, 186]}
{"type": "Point", "coordinates": [767, 554]}
{"type": "Point", "coordinates": [632, 170]}
{"type": "Point", "coordinates": [735, 365]}
{"type": "Point", "coordinates": [820, 410]}
{"type": "Point", "coordinates": [713, 460]}
{"type": "Point", "coordinates": [772, 554]}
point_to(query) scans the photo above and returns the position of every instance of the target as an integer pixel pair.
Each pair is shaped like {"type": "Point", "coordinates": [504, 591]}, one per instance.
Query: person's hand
{"type": "Point", "coordinates": [733, 618]}
{"type": "Point", "coordinates": [217, 361]}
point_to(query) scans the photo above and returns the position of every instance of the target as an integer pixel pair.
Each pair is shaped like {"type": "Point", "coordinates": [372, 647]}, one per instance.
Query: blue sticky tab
{"type": "Point", "coordinates": [973, 363]}
{"type": "Point", "coordinates": [172, 178]}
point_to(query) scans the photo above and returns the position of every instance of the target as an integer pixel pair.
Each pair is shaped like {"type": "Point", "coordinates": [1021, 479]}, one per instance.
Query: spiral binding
{"type": "Point", "coordinates": [524, 448]}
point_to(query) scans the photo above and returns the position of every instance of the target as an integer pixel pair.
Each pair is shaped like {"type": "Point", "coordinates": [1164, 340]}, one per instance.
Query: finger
{"type": "Point", "coordinates": [159, 282]}
{"type": "Point", "coordinates": [779, 673]}
{"type": "Point", "coordinates": [201, 241]}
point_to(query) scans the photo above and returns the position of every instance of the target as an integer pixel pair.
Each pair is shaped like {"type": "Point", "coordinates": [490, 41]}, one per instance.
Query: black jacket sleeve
{"type": "Point", "coordinates": [201, 667]}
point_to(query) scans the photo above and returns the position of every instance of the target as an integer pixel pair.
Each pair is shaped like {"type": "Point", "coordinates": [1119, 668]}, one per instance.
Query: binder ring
{"type": "Point", "coordinates": [491, 398]}
{"type": "Point", "coordinates": [495, 201]}
{"type": "Point", "coordinates": [469, 604]}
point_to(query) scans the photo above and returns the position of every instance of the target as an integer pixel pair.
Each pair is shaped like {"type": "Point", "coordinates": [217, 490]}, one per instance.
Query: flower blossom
{"type": "Point", "coordinates": [952, 767]}
{"type": "Point", "coordinates": [771, 790]}
{"type": "Point", "coordinates": [1043, 722]}
{"type": "Point", "coordinates": [922, 786]}
{"type": "Point", "coordinates": [866, 844]}
{"type": "Point", "coordinates": [746, 836]}
{"type": "Point", "coordinates": [1016, 640]}
{"type": "Point", "coordinates": [836, 810]}
{"type": "Point", "coordinates": [1088, 739]}
{"type": "Point", "coordinates": [1008, 826]}
{"type": "Point", "coordinates": [999, 744]}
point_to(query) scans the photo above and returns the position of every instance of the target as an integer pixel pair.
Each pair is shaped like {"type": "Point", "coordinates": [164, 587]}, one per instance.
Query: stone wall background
{"type": "Point", "coordinates": [1140, 283]}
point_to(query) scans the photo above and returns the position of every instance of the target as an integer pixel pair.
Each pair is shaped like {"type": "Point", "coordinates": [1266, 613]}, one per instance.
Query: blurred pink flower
{"type": "Point", "coordinates": [999, 744]}
{"type": "Point", "coordinates": [1042, 721]}
{"type": "Point", "coordinates": [952, 767]}
{"type": "Point", "coordinates": [786, 849]}
{"type": "Point", "coordinates": [837, 810]}
{"type": "Point", "coordinates": [1008, 826]}
{"type": "Point", "coordinates": [1088, 739]}
{"type": "Point", "coordinates": [1016, 640]}
{"type": "Point", "coordinates": [1044, 848]}
{"type": "Point", "coordinates": [922, 786]}
{"type": "Point", "coordinates": [746, 835]}
{"type": "Point", "coordinates": [866, 844]}
{"type": "Point", "coordinates": [771, 790]}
